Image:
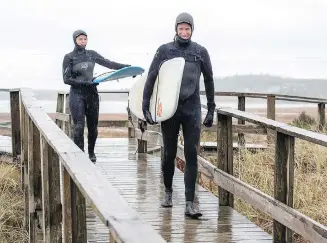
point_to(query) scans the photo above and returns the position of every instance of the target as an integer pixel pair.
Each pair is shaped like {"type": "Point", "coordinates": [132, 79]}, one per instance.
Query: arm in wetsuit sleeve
{"type": "Point", "coordinates": [208, 79]}
{"type": "Point", "coordinates": [68, 74]}
{"type": "Point", "coordinates": [152, 76]}
{"type": "Point", "coordinates": [107, 63]}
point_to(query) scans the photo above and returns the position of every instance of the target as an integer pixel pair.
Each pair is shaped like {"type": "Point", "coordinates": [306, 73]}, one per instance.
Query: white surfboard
{"type": "Point", "coordinates": [165, 95]}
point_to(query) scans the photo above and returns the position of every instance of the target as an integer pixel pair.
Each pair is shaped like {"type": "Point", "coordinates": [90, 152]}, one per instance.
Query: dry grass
{"type": "Point", "coordinates": [310, 182]}
{"type": "Point", "coordinates": [11, 203]}
{"type": "Point", "coordinates": [257, 169]}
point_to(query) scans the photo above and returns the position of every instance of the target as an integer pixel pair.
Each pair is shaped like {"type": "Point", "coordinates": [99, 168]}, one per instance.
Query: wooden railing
{"type": "Point", "coordinates": [279, 207]}
{"type": "Point", "coordinates": [46, 152]}
{"type": "Point", "coordinates": [271, 108]}
{"type": "Point", "coordinates": [239, 128]}
{"type": "Point", "coordinates": [62, 116]}
{"type": "Point", "coordinates": [50, 158]}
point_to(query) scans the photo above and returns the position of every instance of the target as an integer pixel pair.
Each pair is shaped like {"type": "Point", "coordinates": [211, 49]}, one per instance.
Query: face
{"type": "Point", "coordinates": [81, 40]}
{"type": "Point", "coordinates": [184, 31]}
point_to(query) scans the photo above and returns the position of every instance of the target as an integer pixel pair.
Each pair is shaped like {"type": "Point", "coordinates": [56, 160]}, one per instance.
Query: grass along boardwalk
{"type": "Point", "coordinates": [88, 184]}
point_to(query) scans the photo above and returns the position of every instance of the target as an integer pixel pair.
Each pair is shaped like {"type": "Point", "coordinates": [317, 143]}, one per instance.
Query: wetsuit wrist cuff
{"type": "Point", "coordinates": [211, 106]}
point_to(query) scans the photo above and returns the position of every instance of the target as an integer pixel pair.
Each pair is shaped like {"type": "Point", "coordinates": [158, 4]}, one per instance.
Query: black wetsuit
{"type": "Point", "coordinates": [188, 113]}
{"type": "Point", "coordinates": [78, 67]}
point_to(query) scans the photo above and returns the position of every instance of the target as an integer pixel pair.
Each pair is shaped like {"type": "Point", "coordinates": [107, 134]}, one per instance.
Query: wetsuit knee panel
{"type": "Point", "coordinates": [79, 129]}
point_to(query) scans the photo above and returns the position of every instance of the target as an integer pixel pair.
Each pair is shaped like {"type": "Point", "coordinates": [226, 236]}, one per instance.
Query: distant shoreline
{"type": "Point", "coordinates": [282, 114]}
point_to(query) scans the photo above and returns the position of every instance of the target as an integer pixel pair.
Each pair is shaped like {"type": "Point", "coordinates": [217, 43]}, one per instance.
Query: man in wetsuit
{"type": "Point", "coordinates": [77, 68]}
{"type": "Point", "coordinates": [188, 113]}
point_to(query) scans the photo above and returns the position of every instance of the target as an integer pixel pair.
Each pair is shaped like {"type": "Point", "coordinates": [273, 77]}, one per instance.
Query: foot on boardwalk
{"type": "Point", "coordinates": [191, 211]}
{"type": "Point", "coordinates": [92, 157]}
{"type": "Point", "coordinates": [167, 201]}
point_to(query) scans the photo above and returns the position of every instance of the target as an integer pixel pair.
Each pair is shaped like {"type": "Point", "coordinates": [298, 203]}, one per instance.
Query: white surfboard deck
{"type": "Point", "coordinates": [165, 96]}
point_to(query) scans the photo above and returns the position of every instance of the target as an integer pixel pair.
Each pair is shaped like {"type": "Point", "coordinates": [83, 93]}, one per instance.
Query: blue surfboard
{"type": "Point", "coordinates": [119, 74]}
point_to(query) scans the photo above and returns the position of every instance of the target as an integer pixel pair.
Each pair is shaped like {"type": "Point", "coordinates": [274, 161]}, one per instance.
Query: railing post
{"type": "Point", "coordinates": [37, 168]}
{"type": "Point", "coordinates": [23, 142]}
{"type": "Point", "coordinates": [271, 114]}
{"type": "Point", "coordinates": [31, 183]}
{"type": "Point", "coordinates": [68, 125]}
{"type": "Point", "coordinates": [78, 210]}
{"type": "Point", "coordinates": [142, 144]}
{"type": "Point", "coordinates": [322, 116]}
{"type": "Point", "coordinates": [60, 108]}
{"type": "Point", "coordinates": [15, 123]}
{"type": "Point", "coordinates": [67, 206]}
{"type": "Point", "coordinates": [241, 107]}
{"type": "Point", "coordinates": [284, 181]}
{"type": "Point", "coordinates": [74, 208]}
{"type": "Point", "coordinates": [131, 124]}
{"type": "Point", "coordinates": [34, 178]}
{"type": "Point", "coordinates": [24, 161]}
{"type": "Point", "coordinates": [225, 155]}
{"type": "Point", "coordinates": [51, 200]}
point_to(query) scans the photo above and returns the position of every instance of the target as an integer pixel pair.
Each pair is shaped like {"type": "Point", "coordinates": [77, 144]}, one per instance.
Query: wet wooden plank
{"type": "Point", "coordinates": [138, 179]}
{"type": "Point", "coordinates": [124, 176]}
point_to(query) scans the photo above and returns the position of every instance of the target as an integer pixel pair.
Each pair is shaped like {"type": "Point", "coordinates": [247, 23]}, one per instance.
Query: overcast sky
{"type": "Point", "coordinates": [277, 37]}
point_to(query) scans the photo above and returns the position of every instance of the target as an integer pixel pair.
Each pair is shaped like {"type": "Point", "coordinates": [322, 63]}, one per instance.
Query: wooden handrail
{"type": "Point", "coordinates": [102, 92]}
{"type": "Point", "coordinates": [264, 96]}
{"type": "Point", "coordinates": [46, 148]}
{"type": "Point", "coordinates": [241, 128]}
{"type": "Point", "coordinates": [286, 129]}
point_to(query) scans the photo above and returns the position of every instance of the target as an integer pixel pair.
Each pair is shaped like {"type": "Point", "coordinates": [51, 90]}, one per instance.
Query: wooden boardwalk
{"type": "Point", "coordinates": [138, 179]}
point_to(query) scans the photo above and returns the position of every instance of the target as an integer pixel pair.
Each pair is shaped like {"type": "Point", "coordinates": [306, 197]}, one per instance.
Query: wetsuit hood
{"type": "Point", "coordinates": [184, 18]}
{"type": "Point", "coordinates": [76, 34]}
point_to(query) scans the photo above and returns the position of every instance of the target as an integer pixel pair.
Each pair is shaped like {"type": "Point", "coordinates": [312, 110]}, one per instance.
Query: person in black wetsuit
{"type": "Point", "coordinates": [188, 114]}
{"type": "Point", "coordinates": [77, 69]}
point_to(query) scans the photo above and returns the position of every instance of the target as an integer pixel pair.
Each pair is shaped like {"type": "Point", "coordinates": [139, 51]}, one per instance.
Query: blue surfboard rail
{"type": "Point", "coordinates": [119, 74]}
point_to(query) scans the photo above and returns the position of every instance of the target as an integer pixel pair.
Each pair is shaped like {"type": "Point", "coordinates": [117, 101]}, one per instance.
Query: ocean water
{"type": "Point", "coordinates": [113, 107]}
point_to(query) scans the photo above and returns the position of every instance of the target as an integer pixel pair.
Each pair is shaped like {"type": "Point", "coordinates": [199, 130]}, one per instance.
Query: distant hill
{"type": "Point", "coordinates": [272, 84]}
{"type": "Point", "coordinates": [237, 83]}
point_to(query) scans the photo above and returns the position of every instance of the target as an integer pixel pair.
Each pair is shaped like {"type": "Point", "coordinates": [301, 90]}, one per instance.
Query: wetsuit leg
{"type": "Point", "coordinates": [170, 130]}
{"type": "Point", "coordinates": [77, 104]}
{"type": "Point", "coordinates": [92, 117]}
{"type": "Point", "coordinates": [191, 125]}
